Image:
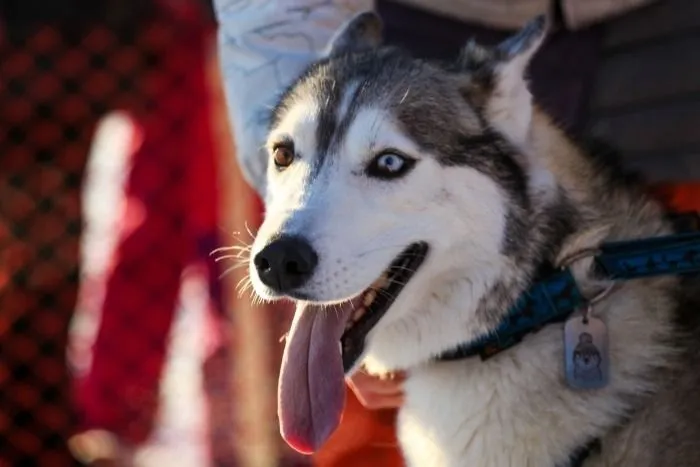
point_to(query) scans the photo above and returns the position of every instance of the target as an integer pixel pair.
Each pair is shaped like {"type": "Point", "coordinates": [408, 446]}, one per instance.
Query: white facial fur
{"type": "Point", "coordinates": [358, 225]}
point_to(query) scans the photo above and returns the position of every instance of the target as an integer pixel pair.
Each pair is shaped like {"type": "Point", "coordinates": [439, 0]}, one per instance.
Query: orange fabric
{"type": "Point", "coordinates": [364, 438]}
{"type": "Point", "coordinates": [679, 196]}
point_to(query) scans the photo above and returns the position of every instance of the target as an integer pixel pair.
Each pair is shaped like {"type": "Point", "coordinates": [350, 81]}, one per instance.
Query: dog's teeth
{"type": "Point", "coordinates": [358, 313]}
{"type": "Point", "coordinates": [369, 297]}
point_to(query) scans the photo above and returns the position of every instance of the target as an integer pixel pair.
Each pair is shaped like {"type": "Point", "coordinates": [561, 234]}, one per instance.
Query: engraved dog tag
{"type": "Point", "coordinates": [586, 352]}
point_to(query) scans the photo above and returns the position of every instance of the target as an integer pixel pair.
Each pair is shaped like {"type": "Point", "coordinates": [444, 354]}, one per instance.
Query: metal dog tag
{"type": "Point", "coordinates": [586, 357]}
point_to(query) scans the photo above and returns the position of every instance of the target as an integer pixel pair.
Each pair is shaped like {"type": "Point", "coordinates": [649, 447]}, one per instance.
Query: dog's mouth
{"type": "Point", "coordinates": [374, 302]}
{"type": "Point", "coordinates": [324, 344]}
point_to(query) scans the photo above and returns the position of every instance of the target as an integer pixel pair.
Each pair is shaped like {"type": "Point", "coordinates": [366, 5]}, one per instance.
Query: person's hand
{"type": "Point", "coordinates": [376, 392]}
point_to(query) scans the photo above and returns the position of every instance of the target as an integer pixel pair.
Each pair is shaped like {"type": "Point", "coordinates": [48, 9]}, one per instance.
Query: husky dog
{"type": "Point", "coordinates": [409, 205]}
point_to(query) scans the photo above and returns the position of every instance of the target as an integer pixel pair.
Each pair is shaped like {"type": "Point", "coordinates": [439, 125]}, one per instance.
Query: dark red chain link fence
{"type": "Point", "coordinates": [64, 67]}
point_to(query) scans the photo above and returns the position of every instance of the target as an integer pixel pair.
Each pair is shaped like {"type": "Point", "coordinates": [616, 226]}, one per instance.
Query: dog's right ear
{"type": "Point", "coordinates": [496, 78]}
{"type": "Point", "coordinates": [363, 31]}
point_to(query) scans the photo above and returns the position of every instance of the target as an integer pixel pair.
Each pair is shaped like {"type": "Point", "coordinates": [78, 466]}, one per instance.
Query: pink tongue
{"type": "Point", "coordinates": [311, 385]}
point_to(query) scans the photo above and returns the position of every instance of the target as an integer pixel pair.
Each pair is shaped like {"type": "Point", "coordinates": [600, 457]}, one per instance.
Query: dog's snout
{"type": "Point", "coordinates": [286, 263]}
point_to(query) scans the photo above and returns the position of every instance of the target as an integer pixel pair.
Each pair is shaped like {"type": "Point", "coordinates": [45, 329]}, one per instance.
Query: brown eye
{"type": "Point", "coordinates": [283, 156]}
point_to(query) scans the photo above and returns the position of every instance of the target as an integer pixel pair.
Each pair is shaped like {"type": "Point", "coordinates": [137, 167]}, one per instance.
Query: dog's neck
{"type": "Point", "coordinates": [566, 200]}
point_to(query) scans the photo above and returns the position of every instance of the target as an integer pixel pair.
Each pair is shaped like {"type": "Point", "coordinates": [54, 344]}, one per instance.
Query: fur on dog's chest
{"type": "Point", "coordinates": [467, 413]}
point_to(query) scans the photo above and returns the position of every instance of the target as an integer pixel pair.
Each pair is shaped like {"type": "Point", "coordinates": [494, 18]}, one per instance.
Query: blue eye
{"type": "Point", "coordinates": [390, 162]}
{"type": "Point", "coordinates": [388, 165]}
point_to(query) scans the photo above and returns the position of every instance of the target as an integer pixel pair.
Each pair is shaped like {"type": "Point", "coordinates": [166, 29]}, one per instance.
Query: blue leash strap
{"type": "Point", "coordinates": [556, 296]}
{"type": "Point", "coordinates": [634, 259]}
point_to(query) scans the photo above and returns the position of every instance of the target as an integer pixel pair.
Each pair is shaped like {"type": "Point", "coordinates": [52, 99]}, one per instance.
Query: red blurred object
{"type": "Point", "coordinates": [173, 194]}
{"type": "Point", "coordinates": [679, 196]}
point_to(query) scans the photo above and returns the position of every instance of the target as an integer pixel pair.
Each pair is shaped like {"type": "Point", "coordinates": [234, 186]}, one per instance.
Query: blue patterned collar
{"type": "Point", "coordinates": [555, 296]}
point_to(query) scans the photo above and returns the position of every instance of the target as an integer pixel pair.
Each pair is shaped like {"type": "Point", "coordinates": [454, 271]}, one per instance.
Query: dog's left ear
{"type": "Point", "coordinates": [363, 31]}
{"type": "Point", "coordinates": [497, 78]}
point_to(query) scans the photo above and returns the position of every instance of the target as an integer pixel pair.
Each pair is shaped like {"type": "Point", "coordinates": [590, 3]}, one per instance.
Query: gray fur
{"type": "Point", "coordinates": [523, 40]}
{"type": "Point", "coordinates": [364, 31]}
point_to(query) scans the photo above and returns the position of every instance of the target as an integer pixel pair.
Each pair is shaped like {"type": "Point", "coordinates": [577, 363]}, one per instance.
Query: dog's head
{"type": "Point", "coordinates": [393, 184]}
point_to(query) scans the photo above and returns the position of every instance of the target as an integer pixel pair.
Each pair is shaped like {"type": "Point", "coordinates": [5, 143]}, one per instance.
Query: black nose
{"type": "Point", "coordinates": [286, 263]}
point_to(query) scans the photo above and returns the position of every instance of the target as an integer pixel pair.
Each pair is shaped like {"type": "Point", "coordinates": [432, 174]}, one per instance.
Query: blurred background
{"type": "Point", "coordinates": [123, 340]}
{"type": "Point", "coordinates": [114, 148]}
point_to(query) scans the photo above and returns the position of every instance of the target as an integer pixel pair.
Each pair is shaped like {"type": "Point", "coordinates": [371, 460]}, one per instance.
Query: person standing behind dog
{"type": "Point", "coordinates": [264, 46]}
